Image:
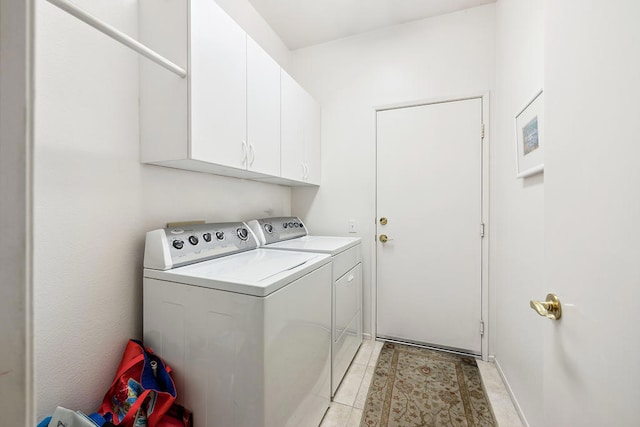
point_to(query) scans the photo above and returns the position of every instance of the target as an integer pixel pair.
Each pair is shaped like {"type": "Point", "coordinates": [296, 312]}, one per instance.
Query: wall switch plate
{"type": "Point", "coordinates": [353, 227]}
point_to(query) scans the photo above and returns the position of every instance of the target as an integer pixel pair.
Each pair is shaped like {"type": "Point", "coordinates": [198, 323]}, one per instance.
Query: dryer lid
{"type": "Point", "coordinates": [323, 244]}
{"type": "Point", "coordinates": [259, 272]}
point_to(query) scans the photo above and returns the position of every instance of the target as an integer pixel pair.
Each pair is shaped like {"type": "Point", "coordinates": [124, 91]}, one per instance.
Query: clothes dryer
{"type": "Point", "coordinates": [290, 234]}
{"type": "Point", "coordinates": [247, 331]}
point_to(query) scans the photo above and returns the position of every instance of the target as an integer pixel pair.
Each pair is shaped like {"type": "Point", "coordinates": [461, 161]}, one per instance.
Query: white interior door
{"type": "Point", "coordinates": [429, 187]}
{"type": "Point", "coordinates": [592, 208]}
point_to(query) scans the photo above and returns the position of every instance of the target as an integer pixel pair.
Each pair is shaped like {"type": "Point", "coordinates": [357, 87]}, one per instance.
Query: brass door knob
{"type": "Point", "coordinates": [551, 308]}
{"type": "Point", "coordinates": [383, 221]}
{"type": "Point", "coordinates": [384, 238]}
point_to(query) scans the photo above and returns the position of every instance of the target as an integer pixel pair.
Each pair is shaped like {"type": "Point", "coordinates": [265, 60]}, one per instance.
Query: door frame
{"type": "Point", "coordinates": [16, 162]}
{"type": "Point", "coordinates": [484, 280]}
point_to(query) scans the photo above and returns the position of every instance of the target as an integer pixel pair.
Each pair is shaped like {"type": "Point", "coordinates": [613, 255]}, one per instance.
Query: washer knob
{"type": "Point", "coordinates": [178, 244]}
{"type": "Point", "coordinates": [219, 235]}
{"type": "Point", "coordinates": [284, 224]}
{"type": "Point", "coordinates": [268, 228]}
{"type": "Point", "coordinates": [207, 237]}
{"type": "Point", "coordinates": [296, 225]}
{"type": "Point", "coordinates": [193, 240]}
{"type": "Point", "coordinates": [291, 225]}
{"type": "Point", "coordinates": [243, 234]}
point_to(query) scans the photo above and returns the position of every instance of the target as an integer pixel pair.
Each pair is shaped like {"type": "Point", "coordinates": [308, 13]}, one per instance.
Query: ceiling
{"type": "Point", "coordinates": [302, 23]}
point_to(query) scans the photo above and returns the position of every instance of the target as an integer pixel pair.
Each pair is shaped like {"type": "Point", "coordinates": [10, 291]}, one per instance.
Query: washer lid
{"type": "Point", "coordinates": [258, 272]}
{"type": "Point", "coordinates": [323, 244]}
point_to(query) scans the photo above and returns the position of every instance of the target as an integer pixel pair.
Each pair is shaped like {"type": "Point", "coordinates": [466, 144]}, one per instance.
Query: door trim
{"type": "Point", "coordinates": [17, 161]}
{"type": "Point", "coordinates": [484, 294]}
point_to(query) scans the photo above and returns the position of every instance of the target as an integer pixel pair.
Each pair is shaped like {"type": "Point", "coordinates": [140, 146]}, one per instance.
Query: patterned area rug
{"type": "Point", "coordinates": [414, 387]}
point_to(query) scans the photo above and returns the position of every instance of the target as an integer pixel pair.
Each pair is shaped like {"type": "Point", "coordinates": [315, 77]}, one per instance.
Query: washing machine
{"type": "Point", "coordinates": [290, 234]}
{"type": "Point", "coordinates": [246, 331]}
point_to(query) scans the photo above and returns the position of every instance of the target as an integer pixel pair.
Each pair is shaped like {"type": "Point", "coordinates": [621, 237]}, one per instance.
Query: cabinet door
{"type": "Point", "coordinates": [218, 87]}
{"type": "Point", "coordinates": [293, 129]}
{"type": "Point", "coordinates": [263, 111]}
{"type": "Point", "coordinates": [312, 140]}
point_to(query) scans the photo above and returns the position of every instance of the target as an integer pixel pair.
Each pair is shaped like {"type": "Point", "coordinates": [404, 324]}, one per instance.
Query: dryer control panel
{"type": "Point", "coordinates": [272, 230]}
{"type": "Point", "coordinates": [173, 247]}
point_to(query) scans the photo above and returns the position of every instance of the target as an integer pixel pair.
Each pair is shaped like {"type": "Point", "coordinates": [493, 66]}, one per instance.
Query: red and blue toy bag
{"type": "Point", "coordinates": [142, 391]}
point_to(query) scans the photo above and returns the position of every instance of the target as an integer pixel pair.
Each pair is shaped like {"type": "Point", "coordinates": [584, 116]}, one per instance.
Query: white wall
{"type": "Point", "coordinates": [517, 208]}
{"type": "Point", "coordinates": [94, 202]}
{"type": "Point", "coordinates": [15, 217]}
{"type": "Point", "coordinates": [450, 55]}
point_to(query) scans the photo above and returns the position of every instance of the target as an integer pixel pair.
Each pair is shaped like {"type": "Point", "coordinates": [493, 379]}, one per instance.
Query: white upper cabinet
{"type": "Point", "coordinates": [263, 111]}
{"type": "Point", "coordinates": [218, 86]}
{"type": "Point", "coordinates": [234, 114]}
{"type": "Point", "coordinates": [300, 141]}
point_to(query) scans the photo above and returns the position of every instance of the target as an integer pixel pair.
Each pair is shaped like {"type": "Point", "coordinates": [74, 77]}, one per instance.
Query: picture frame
{"type": "Point", "coordinates": [529, 124]}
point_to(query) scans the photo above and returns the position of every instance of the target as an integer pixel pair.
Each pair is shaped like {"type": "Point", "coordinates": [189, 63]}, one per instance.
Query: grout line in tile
{"type": "Point", "coordinates": [355, 417]}
{"type": "Point", "coordinates": [337, 415]}
{"type": "Point", "coordinates": [361, 397]}
{"type": "Point", "coordinates": [348, 389]}
{"type": "Point", "coordinates": [361, 372]}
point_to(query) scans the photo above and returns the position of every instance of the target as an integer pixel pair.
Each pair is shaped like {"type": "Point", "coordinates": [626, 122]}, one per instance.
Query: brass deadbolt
{"type": "Point", "coordinates": [383, 221]}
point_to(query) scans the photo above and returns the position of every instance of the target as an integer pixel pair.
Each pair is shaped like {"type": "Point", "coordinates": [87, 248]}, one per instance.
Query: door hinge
{"type": "Point", "coordinates": [482, 327]}
{"type": "Point", "coordinates": [482, 229]}
{"type": "Point", "coordinates": [482, 131]}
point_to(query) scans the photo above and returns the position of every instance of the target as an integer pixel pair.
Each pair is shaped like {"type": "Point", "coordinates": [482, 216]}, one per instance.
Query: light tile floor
{"type": "Point", "coordinates": [503, 410]}
{"type": "Point", "coordinates": [348, 403]}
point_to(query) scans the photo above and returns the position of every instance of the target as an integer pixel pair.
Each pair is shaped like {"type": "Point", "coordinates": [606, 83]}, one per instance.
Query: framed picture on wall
{"type": "Point", "coordinates": [530, 138]}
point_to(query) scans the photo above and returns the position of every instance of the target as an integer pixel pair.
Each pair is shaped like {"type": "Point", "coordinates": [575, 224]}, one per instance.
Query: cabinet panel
{"type": "Point", "coordinates": [292, 140]}
{"type": "Point", "coordinates": [218, 90]}
{"type": "Point", "coordinates": [263, 110]}
{"type": "Point", "coordinates": [312, 140]}
{"type": "Point", "coordinates": [300, 133]}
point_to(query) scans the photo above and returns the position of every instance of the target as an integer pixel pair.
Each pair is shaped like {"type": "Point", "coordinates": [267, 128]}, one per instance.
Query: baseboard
{"type": "Point", "coordinates": [366, 336]}
{"type": "Point", "coordinates": [516, 405]}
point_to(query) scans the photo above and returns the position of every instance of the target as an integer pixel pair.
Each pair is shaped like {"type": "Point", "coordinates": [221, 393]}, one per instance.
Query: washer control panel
{"type": "Point", "coordinates": [177, 246]}
{"type": "Point", "coordinates": [272, 230]}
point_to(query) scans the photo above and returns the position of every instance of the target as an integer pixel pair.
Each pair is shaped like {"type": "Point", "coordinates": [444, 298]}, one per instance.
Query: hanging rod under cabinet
{"type": "Point", "coordinates": [119, 36]}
